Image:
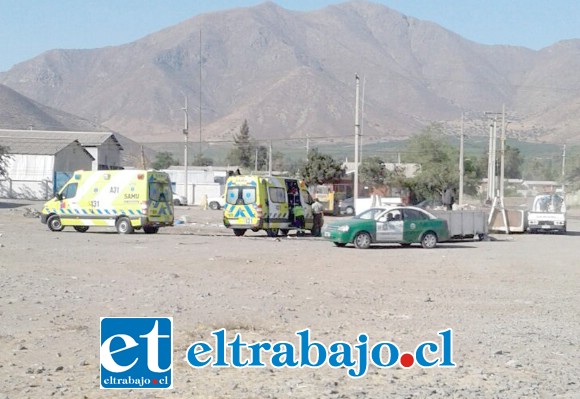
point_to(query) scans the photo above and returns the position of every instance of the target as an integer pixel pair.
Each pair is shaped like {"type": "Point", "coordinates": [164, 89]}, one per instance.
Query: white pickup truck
{"type": "Point", "coordinates": [548, 214]}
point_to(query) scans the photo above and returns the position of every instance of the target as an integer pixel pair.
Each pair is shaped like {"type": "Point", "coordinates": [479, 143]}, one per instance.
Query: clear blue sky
{"type": "Point", "coordinates": [30, 27]}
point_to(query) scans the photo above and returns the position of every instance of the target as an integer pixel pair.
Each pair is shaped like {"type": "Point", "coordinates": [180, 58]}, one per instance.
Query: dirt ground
{"type": "Point", "coordinates": [513, 304]}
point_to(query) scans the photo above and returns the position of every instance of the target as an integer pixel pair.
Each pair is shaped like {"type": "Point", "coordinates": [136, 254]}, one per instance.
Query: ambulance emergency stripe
{"type": "Point", "coordinates": [111, 212]}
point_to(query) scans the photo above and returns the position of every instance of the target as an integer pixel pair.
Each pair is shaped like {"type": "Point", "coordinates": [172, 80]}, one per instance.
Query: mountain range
{"type": "Point", "coordinates": [291, 74]}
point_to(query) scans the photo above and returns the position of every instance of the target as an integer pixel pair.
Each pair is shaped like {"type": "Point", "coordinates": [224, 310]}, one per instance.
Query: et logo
{"type": "Point", "coordinates": [136, 352]}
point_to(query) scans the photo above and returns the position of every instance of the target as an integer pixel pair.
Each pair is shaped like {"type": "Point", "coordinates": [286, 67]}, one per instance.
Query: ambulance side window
{"type": "Point", "coordinates": [277, 195]}
{"type": "Point", "coordinates": [70, 191]}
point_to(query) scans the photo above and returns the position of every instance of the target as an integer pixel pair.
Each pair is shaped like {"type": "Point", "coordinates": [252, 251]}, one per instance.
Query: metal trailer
{"type": "Point", "coordinates": [465, 223]}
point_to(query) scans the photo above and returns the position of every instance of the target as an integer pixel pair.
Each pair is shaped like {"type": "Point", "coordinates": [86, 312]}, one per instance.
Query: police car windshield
{"type": "Point", "coordinates": [241, 195]}
{"type": "Point", "coordinates": [369, 214]}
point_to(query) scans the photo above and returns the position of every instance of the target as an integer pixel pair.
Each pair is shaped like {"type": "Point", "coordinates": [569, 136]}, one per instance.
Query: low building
{"type": "Point", "coordinates": [201, 181]}
{"type": "Point", "coordinates": [103, 146]}
{"type": "Point", "coordinates": [34, 163]}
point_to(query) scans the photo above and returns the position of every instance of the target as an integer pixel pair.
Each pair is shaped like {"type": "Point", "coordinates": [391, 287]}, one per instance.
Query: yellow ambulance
{"type": "Point", "coordinates": [266, 203]}
{"type": "Point", "coordinates": [125, 199]}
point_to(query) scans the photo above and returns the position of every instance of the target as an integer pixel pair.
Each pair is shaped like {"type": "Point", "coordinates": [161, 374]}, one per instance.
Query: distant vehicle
{"type": "Point", "coordinates": [548, 214]}
{"type": "Point", "coordinates": [402, 225]}
{"type": "Point", "coordinates": [179, 199]}
{"type": "Point", "coordinates": [216, 203]}
{"type": "Point", "coordinates": [430, 204]}
{"type": "Point", "coordinates": [346, 206]}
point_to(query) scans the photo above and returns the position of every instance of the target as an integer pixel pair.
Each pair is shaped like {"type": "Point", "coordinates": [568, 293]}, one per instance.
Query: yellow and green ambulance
{"type": "Point", "coordinates": [125, 199]}
{"type": "Point", "coordinates": [266, 203]}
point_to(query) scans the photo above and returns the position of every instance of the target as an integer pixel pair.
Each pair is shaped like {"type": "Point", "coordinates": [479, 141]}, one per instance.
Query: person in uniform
{"type": "Point", "coordinates": [318, 212]}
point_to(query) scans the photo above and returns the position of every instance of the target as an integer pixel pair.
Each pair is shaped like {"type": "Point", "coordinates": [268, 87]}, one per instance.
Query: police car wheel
{"type": "Point", "coordinates": [214, 205]}
{"type": "Point", "coordinates": [150, 229]}
{"type": "Point", "coordinates": [81, 229]}
{"type": "Point", "coordinates": [429, 240]}
{"type": "Point", "coordinates": [362, 240]}
{"type": "Point", "coordinates": [54, 223]}
{"type": "Point", "coordinates": [124, 226]}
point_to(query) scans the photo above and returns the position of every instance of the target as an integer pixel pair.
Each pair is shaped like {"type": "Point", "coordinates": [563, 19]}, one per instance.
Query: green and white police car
{"type": "Point", "coordinates": [403, 225]}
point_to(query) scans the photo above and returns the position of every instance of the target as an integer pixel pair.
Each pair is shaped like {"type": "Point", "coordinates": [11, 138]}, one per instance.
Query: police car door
{"type": "Point", "coordinates": [390, 226]}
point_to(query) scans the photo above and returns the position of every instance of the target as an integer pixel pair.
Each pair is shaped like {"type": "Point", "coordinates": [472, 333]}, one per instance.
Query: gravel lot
{"type": "Point", "coordinates": [512, 302]}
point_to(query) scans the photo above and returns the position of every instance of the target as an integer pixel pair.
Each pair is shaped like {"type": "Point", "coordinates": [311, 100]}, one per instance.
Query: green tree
{"type": "Point", "coordinates": [321, 169]}
{"type": "Point", "coordinates": [541, 169]}
{"type": "Point", "coordinates": [513, 163]}
{"type": "Point", "coordinates": [3, 160]}
{"type": "Point", "coordinates": [438, 160]}
{"type": "Point", "coordinates": [201, 160]}
{"type": "Point", "coordinates": [243, 152]}
{"type": "Point", "coordinates": [263, 155]}
{"type": "Point", "coordinates": [163, 160]}
{"type": "Point", "coordinates": [373, 172]}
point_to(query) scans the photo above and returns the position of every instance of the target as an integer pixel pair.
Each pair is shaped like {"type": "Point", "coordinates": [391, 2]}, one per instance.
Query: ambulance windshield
{"type": "Point", "coordinates": [241, 195]}
{"type": "Point", "coordinates": [160, 192]}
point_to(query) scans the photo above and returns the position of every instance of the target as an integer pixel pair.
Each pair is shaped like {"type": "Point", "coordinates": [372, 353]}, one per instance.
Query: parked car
{"type": "Point", "coordinates": [179, 199]}
{"type": "Point", "coordinates": [402, 225]}
{"type": "Point", "coordinates": [346, 206]}
{"type": "Point", "coordinates": [216, 203]}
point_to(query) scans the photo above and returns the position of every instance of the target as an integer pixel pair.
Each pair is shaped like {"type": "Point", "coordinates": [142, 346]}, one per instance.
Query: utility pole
{"type": "Point", "coordinates": [307, 145]}
{"type": "Point", "coordinates": [270, 159]}
{"type": "Point", "coordinates": [564, 169]}
{"type": "Point", "coordinates": [356, 138]}
{"type": "Point", "coordinates": [494, 159]}
{"type": "Point", "coordinates": [502, 156]}
{"type": "Point", "coordinates": [489, 163]}
{"type": "Point", "coordinates": [461, 166]}
{"type": "Point", "coordinates": [256, 161]}
{"type": "Point", "coordinates": [362, 117]}
{"type": "Point", "coordinates": [185, 137]}
{"type": "Point", "coordinates": [200, 150]}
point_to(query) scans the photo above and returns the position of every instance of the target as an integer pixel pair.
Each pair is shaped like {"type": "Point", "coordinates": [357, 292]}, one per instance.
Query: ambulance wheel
{"type": "Point", "coordinates": [54, 223]}
{"type": "Point", "coordinates": [362, 240]}
{"type": "Point", "coordinates": [239, 232]}
{"type": "Point", "coordinates": [150, 229]}
{"type": "Point", "coordinates": [284, 232]}
{"type": "Point", "coordinates": [124, 226]}
{"type": "Point", "coordinates": [272, 232]}
{"type": "Point", "coordinates": [81, 229]}
{"type": "Point", "coordinates": [429, 240]}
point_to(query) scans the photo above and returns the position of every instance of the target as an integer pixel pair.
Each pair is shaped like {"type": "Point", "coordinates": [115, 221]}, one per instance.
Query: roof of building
{"type": "Point", "coordinates": [87, 139]}
{"type": "Point", "coordinates": [38, 146]}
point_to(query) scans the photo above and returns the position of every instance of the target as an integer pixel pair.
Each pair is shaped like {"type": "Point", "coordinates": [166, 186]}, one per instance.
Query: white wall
{"type": "Point", "coordinates": [28, 177]}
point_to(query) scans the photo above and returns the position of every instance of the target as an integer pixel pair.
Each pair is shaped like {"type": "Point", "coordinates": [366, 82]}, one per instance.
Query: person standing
{"type": "Point", "coordinates": [318, 212]}
{"type": "Point", "coordinates": [299, 218]}
{"type": "Point", "coordinates": [448, 198]}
